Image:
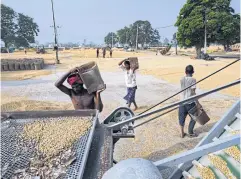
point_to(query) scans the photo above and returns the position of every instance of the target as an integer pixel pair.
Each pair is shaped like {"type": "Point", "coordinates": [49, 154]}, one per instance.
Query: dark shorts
{"type": "Point", "coordinates": [183, 112]}
{"type": "Point", "coordinates": [131, 94]}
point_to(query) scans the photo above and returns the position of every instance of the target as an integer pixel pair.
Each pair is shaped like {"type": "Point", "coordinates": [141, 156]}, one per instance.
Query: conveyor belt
{"type": "Point", "coordinates": [206, 161]}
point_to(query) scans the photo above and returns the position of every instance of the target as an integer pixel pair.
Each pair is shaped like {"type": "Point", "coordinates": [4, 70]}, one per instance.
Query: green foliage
{"type": "Point", "coordinates": [17, 29]}
{"type": "Point", "coordinates": [124, 35]}
{"type": "Point", "coordinates": [221, 24]}
{"type": "Point", "coordinates": [146, 34]}
{"type": "Point", "coordinates": [8, 25]}
{"type": "Point", "coordinates": [108, 38]}
{"type": "Point", "coordinates": [26, 32]}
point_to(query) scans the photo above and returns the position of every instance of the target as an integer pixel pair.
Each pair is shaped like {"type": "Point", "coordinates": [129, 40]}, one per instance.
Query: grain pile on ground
{"type": "Point", "coordinates": [52, 139]}
{"type": "Point", "coordinates": [206, 172]}
{"type": "Point", "coordinates": [33, 105]}
{"type": "Point", "coordinates": [233, 152]}
{"type": "Point", "coordinates": [220, 164]}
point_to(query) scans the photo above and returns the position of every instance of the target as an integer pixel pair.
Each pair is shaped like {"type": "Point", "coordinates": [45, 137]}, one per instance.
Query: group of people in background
{"type": "Point", "coordinates": [103, 52]}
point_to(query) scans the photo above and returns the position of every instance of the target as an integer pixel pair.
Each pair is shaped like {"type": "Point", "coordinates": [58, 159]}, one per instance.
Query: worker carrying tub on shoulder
{"type": "Point", "coordinates": [129, 66]}
{"type": "Point", "coordinates": [86, 86]}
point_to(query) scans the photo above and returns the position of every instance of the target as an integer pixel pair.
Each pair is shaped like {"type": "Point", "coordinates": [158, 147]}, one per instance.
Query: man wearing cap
{"type": "Point", "coordinates": [80, 97]}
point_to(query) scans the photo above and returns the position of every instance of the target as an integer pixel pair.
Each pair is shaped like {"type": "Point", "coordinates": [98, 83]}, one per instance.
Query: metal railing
{"type": "Point", "coordinates": [175, 104]}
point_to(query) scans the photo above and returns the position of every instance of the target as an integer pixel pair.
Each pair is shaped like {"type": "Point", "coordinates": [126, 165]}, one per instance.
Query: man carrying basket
{"type": "Point", "coordinates": [186, 81]}
{"type": "Point", "coordinates": [130, 79]}
{"type": "Point", "coordinates": [78, 93]}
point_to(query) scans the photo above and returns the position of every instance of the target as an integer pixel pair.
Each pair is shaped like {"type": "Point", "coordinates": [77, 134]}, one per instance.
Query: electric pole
{"type": "Point", "coordinates": [137, 37]}
{"type": "Point", "coordinates": [205, 33]}
{"type": "Point", "coordinates": [55, 35]}
{"type": "Point", "coordinates": [126, 37]}
{"type": "Point", "coordinates": [112, 40]}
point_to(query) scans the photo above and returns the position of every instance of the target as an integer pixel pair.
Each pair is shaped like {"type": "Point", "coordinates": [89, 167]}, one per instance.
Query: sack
{"type": "Point", "coordinates": [90, 75]}
{"type": "Point", "coordinates": [198, 114]}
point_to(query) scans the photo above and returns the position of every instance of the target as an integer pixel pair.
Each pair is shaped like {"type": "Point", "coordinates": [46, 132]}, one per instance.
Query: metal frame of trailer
{"type": "Point", "coordinates": [82, 147]}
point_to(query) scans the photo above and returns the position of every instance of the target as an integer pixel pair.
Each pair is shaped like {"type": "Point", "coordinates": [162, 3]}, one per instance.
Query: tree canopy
{"type": "Point", "coordinates": [221, 23]}
{"type": "Point", "coordinates": [108, 38]}
{"type": "Point", "coordinates": [17, 29]}
{"type": "Point", "coordinates": [146, 34]}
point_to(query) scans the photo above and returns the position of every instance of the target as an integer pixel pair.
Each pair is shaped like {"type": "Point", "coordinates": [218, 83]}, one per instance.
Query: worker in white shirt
{"type": "Point", "coordinates": [130, 79]}
{"type": "Point", "coordinates": [186, 81]}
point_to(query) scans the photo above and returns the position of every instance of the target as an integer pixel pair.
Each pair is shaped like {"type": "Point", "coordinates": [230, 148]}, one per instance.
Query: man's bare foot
{"type": "Point", "coordinates": [135, 108]}
{"type": "Point", "coordinates": [183, 135]}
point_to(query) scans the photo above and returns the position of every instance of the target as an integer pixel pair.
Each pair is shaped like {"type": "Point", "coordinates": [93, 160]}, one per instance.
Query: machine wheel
{"type": "Point", "coordinates": [121, 115]}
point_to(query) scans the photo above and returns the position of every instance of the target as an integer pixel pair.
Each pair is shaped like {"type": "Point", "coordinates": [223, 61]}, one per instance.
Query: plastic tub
{"type": "Point", "coordinates": [91, 77]}
{"type": "Point", "coordinates": [133, 62]}
{"type": "Point", "coordinates": [199, 115]}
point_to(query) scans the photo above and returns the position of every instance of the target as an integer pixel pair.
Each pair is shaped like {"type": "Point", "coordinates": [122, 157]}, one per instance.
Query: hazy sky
{"type": "Point", "coordinates": [93, 19]}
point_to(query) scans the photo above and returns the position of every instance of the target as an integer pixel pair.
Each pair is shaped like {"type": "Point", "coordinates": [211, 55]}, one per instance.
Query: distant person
{"type": "Point", "coordinates": [104, 52]}
{"type": "Point", "coordinates": [97, 52]}
{"type": "Point", "coordinates": [110, 53]}
{"type": "Point", "coordinates": [78, 93]}
{"type": "Point", "coordinates": [25, 51]}
{"type": "Point", "coordinates": [186, 81]}
{"type": "Point", "coordinates": [130, 79]}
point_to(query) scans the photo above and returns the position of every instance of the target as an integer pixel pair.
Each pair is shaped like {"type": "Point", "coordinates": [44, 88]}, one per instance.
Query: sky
{"type": "Point", "coordinates": [93, 19]}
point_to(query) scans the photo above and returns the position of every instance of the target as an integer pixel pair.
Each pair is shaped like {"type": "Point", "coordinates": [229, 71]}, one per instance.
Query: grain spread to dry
{"type": "Point", "coordinates": [53, 135]}
{"type": "Point", "coordinates": [233, 152]}
{"type": "Point", "coordinates": [206, 172]}
{"type": "Point", "coordinates": [51, 141]}
{"type": "Point", "coordinates": [220, 164]}
{"type": "Point", "coordinates": [234, 132]}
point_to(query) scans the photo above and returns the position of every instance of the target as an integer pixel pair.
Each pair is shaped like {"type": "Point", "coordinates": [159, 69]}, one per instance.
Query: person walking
{"type": "Point", "coordinates": [130, 79]}
{"type": "Point", "coordinates": [186, 81]}
{"type": "Point", "coordinates": [97, 52]}
{"type": "Point", "coordinates": [110, 53]}
{"type": "Point", "coordinates": [104, 52]}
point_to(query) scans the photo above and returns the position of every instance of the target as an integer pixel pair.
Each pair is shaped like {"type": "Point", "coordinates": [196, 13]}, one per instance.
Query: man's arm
{"type": "Point", "coordinates": [98, 101]}
{"type": "Point", "coordinates": [60, 81]}
{"type": "Point", "coordinates": [193, 88]}
{"type": "Point", "coordinates": [121, 62]}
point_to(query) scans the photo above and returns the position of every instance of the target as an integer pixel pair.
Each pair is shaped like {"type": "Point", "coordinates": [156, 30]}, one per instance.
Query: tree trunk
{"type": "Point", "coordinates": [198, 51]}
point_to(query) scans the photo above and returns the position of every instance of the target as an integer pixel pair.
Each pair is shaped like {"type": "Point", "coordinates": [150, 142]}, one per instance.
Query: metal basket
{"type": "Point", "coordinates": [12, 160]}
{"type": "Point", "coordinates": [199, 115]}
{"type": "Point", "coordinates": [91, 77]}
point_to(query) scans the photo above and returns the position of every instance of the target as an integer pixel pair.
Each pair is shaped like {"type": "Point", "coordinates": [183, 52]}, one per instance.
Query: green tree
{"type": "Point", "coordinates": [166, 41]}
{"type": "Point", "coordinates": [155, 37]}
{"type": "Point", "coordinates": [26, 32]}
{"type": "Point", "coordinates": [8, 26]}
{"type": "Point", "coordinates": [228, 30]}
{"type": "Point", "coordinates": [193, 17]}
{"type": "Point", "coordinates": [144, 30]}
{"type": "Point", "coordinates": [124, 35]}
{"type": "Point", "coordinates": [109, 37]}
